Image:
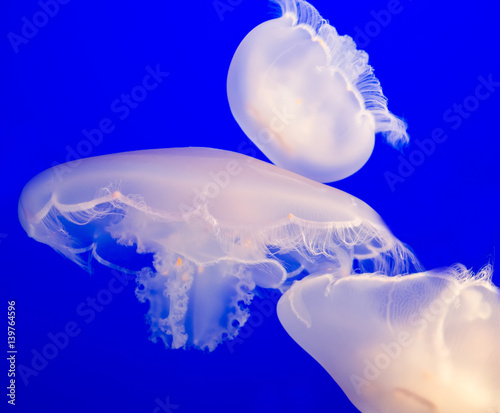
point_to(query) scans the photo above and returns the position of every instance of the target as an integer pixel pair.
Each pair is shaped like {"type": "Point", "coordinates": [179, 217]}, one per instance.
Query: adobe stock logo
{"type": "Point", "coordinates": [209, 190]}
{"type": "Point", "coordinates": [380, 20]}
{"type": "Point", "coordinates": [31, 26]}
{"type": "Point", "coordinates": [259, 312]}
{"type": "Point", "coordinates": [398, 350]}
{"type": "Point", "coordinates": [223, 6]}
{"type": "Point", "coordinates": [121, 108]}
{"type": "Point", "coordinates": [164, 406]}
{"type": "Point", "coordinates": [453, 117]}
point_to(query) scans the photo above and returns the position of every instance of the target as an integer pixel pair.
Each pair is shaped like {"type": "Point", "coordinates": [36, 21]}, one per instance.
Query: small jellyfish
{"type": "Point", "coordinates": [421, 343]}
{"type": "Point", "coordinates": [202, 229]}
{"type": "Point", "coordinates": [307, 97]}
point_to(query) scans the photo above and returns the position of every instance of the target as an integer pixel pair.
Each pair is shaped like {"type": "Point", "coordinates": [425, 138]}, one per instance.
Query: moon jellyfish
{"type": "Point", "coordinates": [307, 97]}
{"type": "Point", "coordinates": [202, 229]}
{"type": "Point", "coordinates": [421, 343]}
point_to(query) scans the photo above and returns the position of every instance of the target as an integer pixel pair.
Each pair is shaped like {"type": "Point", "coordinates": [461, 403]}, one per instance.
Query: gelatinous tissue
{"type": "Point", "coordinates": [210, 225]}
{"type": "Point", "coordinates": [307, 97]}
{"type": "Point", "coordinates": [425, 342]}
{"type": "Point", "coordinates": [203, 230]}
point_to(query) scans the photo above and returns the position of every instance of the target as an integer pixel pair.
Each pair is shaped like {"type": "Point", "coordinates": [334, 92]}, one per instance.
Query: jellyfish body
{"type": "Point", "coordinates": [307, 97]}
{"type": "Point", "coordinates": [422, 343]}
{"type": "Point", "coordinates": [201, 229]}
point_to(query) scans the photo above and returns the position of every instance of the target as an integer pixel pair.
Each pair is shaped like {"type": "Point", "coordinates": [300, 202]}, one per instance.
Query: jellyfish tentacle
{"type": "Point", "coordinates": [183, 218]}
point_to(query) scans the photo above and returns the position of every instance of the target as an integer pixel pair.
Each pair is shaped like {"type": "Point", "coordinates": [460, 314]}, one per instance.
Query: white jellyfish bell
{"type": "Point", "coordinates": [307, 97]}
{"type": "Point", "coordinates": [201, 229]}
{"type": "Point", "coordinates": [421, 343]}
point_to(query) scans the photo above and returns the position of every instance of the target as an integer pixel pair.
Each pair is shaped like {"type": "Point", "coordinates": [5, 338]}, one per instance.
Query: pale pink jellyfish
{"type": "Point", "coordinates": [201, 229]}
{"type": "Point", "coordinates": [307, 97]}
{"type": "Point", "coordinates": [421, 343]}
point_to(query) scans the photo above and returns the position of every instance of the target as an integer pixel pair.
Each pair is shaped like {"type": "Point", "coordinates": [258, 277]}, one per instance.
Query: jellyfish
{"type": "Point", "coordinates": [202, 230]}
{"type": "Point", "coordinates": [307, 97]}
{"type": "Point", "coordinates": [420, 343]}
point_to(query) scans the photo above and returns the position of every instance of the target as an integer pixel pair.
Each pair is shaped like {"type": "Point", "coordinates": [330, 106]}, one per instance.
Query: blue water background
{"type": "Point", "coordinates": [429, 57]}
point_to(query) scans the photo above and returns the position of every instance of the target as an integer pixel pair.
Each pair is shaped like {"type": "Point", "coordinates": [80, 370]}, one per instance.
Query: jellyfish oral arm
{"type": "Point", "coordinates": [187, 236]}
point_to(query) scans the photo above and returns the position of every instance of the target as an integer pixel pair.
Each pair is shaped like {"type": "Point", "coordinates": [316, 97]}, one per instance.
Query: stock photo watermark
{"type": "Point", "coordinates": [280, 120]}
{"type": "Point", "coordinates": [222, 7]}
{"type": "Point", "coordinates": [31, 26]}
{"type": "Point", "coordinates": [164, 406]}
{"type": "Point", "coordinates": [453, 118]}
{"type": "Point", "coordinates": [260, 311]}
{"type": "Point", "coordinates": [403, 340]}
{"type": "Point", "coordinates": [211, 189]}
{"type": "Point", "coordinates": [11, 352]}
{"type": "Point", "coordinates": [363, 35]}
{"type": "Point", "coordinates": [121, 108]}
{"type": "Point", "coordinates": [86, 312]}
{"type": "Point", "coordinates": [380, 20]}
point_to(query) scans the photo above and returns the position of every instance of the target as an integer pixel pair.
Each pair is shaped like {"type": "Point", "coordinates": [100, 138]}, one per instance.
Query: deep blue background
{"type": "Point", "coordinates": [64, 80]}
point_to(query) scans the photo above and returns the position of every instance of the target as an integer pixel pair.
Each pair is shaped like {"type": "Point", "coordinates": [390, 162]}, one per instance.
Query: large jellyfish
{"type": "Point", "coordinates": [307, 97]}
{"type": "Point", "coordinates": [421, 343]}
{"type": "Point", "coordinates": [202, 228]}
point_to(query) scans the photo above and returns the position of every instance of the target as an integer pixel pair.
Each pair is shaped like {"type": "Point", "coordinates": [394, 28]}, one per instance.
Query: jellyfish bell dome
{"type": "Point", "coordinates": [307, 97]}
{"type": "Point", "coordinates": [420, 343]}
{"type": "Point", "coordinates": [202, 229]}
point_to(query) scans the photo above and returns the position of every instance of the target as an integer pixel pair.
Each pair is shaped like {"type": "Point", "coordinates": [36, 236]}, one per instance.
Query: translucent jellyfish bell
{"type": "Point", "coordinates": [201, 229]}
{"type": "Point", "coordinates": [307, 97]}
{"type": "Point", "coordinates": [422, 343]}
